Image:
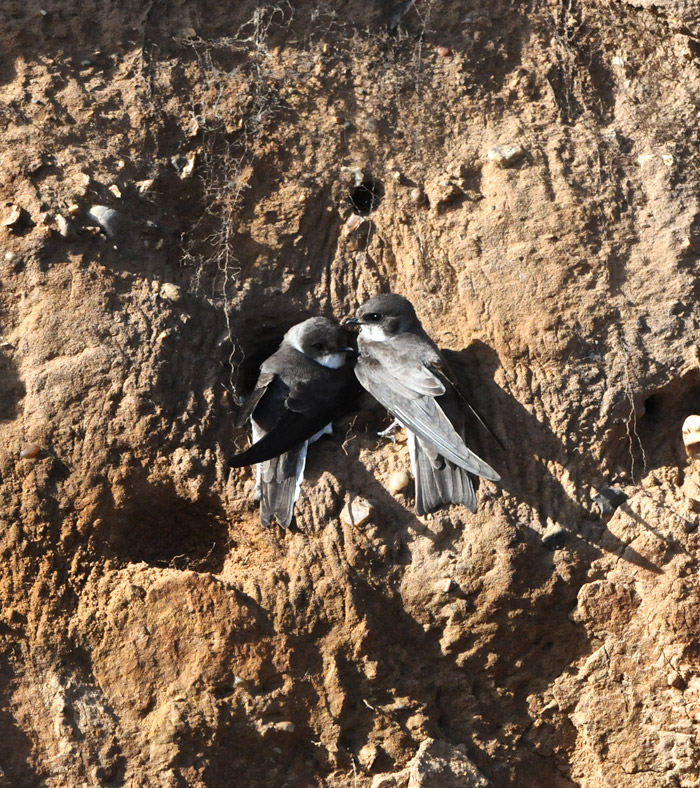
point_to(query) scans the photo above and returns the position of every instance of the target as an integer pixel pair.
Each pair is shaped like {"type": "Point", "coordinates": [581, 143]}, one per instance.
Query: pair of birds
{"type": "Point", "coordinates": [303, 387]}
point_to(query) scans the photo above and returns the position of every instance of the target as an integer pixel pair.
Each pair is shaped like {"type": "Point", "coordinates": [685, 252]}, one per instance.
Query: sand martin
{"type": "Point", "coordinates": [402, 368]}
{"type": "Point", "coordinates": [302, 387]}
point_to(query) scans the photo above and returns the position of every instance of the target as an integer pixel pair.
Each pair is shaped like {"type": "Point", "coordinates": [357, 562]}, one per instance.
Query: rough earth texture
{"type": "Point", "coordinates": [528, 174]}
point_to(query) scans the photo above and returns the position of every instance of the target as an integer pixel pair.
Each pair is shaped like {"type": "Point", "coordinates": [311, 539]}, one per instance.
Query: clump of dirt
{"type": "Point", "coordinates": [182, 184]}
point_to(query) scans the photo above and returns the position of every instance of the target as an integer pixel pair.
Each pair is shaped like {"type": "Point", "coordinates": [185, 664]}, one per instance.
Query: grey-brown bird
{"type": "Point", "coordinates": [402, 368]}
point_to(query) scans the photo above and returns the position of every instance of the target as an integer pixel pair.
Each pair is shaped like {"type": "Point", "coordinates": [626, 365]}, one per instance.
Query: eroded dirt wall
{"type": "Point", "coordinates": [527, 173]}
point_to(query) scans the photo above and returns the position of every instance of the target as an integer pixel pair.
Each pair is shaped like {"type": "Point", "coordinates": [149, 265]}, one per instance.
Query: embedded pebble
{"type": "Point", "coordinates": [144, 186]}
{"type": "Point", "coordinates": [170, 292]}
{"type": "Point", "coordinates": [398, 481]}
{"type": "Point", "coordinates": [506, 155]}
{"type": "Point", "coordinates": [352, 175]}
{"type": "Point", "coordinates": [116, 191]}
{"type": "Point", "coordinates": [357, 511]}
{"type": "Point", "coordinates": [353, 223]}
{"type": "Point", "coordinates": [367, 756]}
{"type": "Point", "coordinates": [287, 726]}
{"type": "Point", "coordinates": [554, 537]}
{"type": "Point", "coordinates": [10, 256]}
{"type": "Point", "coordinates": [107, 218]}
{"type": "Point", "coordinates": [188, 169]}
{"type": "Point", "coordinates": [29, 451]}
{"type": "Point", "coordinates": [691, 436]}
{"type": "Point", "coordinates": [443, 193]}
{"type": "Point", "coordinates": [65, 227]}
{"type": "Point", "coordinates": [184, 164]}
{"type": "Point", "coordinates": [443, 51]}
{"type": "Point", "coordinates": [417, 196]}
{"type": "Point", "coordinates": [608, 499]}
{"type": "Point", "coordinates": [13, 218]}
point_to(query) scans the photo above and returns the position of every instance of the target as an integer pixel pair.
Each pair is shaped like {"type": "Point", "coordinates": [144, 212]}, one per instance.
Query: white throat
{"type": "Point", "coordinates": [332, 360]}
{"type": "Point", "coordinates": [373, 333]}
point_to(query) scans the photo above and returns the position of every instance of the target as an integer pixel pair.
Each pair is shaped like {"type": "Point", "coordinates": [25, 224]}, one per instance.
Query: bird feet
{"type": "Point", "coordinates": [390, 430]}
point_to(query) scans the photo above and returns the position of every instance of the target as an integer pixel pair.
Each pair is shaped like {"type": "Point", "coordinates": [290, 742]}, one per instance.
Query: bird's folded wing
{"type": "Point", "coordinates": [420, 412]}
{"type": "Point", "coordinates": [289, 432]}
{"type": "Point", "coordinates": [255, 396]}
{"type": "Point", "coordinates": [309, 407]}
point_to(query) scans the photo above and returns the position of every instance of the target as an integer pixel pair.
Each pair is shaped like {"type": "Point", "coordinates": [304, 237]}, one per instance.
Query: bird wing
{"type": "Point", "coordinates": [445, 371]}
{"type": "Point", "coordinates": [438, 482]}
{"type": "Point", "coordinates": [280, 482]}
{"type": "Point", "coordinates": [408, 390]}
{"type": "Point", "coordinates": [255, 396]}
{"type": "Point", "coordinates": [309, 406]}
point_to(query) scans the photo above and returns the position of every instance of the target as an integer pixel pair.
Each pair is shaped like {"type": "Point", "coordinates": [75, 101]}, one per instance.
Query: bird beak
{"type": "Point", "coordinates": [351, 321]}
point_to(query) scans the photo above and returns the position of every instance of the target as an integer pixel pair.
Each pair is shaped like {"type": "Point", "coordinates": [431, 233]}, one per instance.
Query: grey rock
{"type": "Point", "coordinates": [608, 499]}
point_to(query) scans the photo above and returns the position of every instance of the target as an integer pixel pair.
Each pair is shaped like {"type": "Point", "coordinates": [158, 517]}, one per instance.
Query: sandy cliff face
{"type": "Point", "coordinates": [528, 175]}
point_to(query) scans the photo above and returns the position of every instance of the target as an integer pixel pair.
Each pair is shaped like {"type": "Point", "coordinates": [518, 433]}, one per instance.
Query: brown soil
{"type": "Point", "coordinates": [151, 633]}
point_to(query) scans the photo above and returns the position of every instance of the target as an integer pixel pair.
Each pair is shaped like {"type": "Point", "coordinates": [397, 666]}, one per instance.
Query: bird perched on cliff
{"type": "Point", "coordinates": [301, 388]}
{"type": "Point", "coordinates": [401, 366]}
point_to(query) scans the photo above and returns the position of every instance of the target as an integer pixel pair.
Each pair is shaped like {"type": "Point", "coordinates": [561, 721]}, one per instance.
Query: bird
{"type": "Point", "coordinates": [402, 368]}
{"type": "Point", "coordinates": [302, 387]}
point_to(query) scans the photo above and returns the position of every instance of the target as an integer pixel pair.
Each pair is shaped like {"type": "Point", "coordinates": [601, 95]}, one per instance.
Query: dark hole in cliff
{"type": "Point", "coordinates": [658, 427]}
{"type": "Point", "coordinates": [366, 197]}
{"type": "Point", "coordinates": [651, 408]}
{"type": "Point", "coordinates": [158, 526]}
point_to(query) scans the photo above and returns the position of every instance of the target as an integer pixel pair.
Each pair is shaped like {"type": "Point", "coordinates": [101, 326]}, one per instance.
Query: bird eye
{"type": "Point", "coordinates": [317, 346]}
{"type": "Point", "coordinates": [373, 317]}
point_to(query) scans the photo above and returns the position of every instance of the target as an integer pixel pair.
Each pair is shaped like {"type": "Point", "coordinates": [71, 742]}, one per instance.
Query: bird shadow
{"type": "Point", "coordinates": [529, 446]}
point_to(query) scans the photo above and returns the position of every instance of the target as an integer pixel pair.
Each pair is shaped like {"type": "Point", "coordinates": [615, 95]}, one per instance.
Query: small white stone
{"type": "Point", "coordinates": [65, 227]}
{"type": "Point", "coordinates": [188, 169]}
{"type": "Point", "coordinates": [446, 585]}
{"type": "Point", "coordinates": [357, 511]}
{"type": "Point", "coordinates": [691, 436]}
{"type": "Point", "coordinates": [352, 175]}
{"type": "Point", "coordinates": [107, 218]}
{"type": "Point", "coordinates": [506, 155]}
{"type": "Point", "coordinates": [367, 756]}
{"type": "Point", "coordinates": [353, 223]}
{"type": "Point", "coordinates": [170, 292]}
{"type": "Point", "coordinates": [398, 481]}
{"type": "Point", "coordinates": [691, 430]}
{"type": "Point", "coordinates": [287, 726]}
{"type": "Point", "coordinates": [12, 217]}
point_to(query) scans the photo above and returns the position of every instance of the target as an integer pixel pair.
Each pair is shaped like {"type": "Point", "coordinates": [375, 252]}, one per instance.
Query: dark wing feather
{"type": "Point", "coordinates": [254, 398]}
{"type": "Point", "coordinates": [278, 489]}
{"type": "Point", "coordinates": [438, 482]}
{"type": "Point", "coordinates": [308, 406]}
{"type": "Point", "coordinates": [420, 412]}
{"type": "Point", "coordinates": [290, 430]}
{"type": "Point", "coordinates": [446, 373]}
